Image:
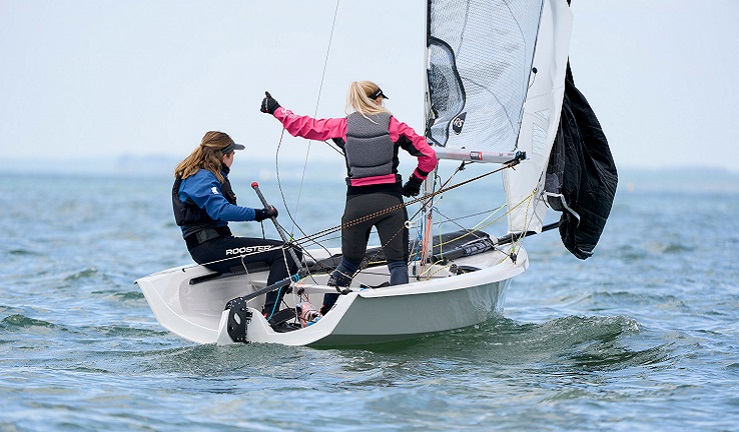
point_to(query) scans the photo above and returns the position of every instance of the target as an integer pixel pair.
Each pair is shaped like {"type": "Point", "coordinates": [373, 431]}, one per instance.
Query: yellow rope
{"type": "Point", "coordinates": [481, 225]}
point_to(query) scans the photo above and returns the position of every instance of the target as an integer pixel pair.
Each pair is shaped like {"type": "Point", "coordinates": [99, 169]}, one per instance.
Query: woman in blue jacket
{"type": "Point", "coordinates": [204, 203]}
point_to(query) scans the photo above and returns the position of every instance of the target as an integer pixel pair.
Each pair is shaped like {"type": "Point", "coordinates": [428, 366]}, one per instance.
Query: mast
{"type": "Point", "coordinates": [428, 184]}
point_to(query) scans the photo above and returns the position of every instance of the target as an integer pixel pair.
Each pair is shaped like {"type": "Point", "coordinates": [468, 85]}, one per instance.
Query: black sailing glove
{"type": "Point", "coordinates": [265, 213]}
{"type": "Point", "coordinates": [269, 105]}
{"type": "Point", "coordinates": [412, 187]}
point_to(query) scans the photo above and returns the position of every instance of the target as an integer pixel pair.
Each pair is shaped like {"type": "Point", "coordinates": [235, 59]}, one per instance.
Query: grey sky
{"type": "Point", "coordinates": [106, 78]}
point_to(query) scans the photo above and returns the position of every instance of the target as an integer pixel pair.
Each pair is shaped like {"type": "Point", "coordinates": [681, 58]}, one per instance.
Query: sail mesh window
{"type": "Point", "coordinates": [480, 60]}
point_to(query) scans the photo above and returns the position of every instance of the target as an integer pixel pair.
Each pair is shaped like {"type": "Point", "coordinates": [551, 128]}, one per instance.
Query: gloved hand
{"type": "Point", "coordinates": [412, 187]}
{"type": "Point", "coordinates": [269, 105]}
{"type": "Point", "coordinates": [265, 213]}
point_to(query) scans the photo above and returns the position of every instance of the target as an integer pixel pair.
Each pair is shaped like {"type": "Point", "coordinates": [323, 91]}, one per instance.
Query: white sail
{"type": "Point", "coordinates": [524, 185]}
{"type": "Point", "coordinates": [496, 81]}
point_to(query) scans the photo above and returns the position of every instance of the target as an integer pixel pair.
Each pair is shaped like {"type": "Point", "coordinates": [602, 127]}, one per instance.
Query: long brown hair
{"type": "Point", "coordinates": [358, 99]}
{"type": "Point", "coordinates": [207, 156]}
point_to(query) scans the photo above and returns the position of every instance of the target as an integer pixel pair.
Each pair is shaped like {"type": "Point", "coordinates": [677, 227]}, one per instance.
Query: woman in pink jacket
{"type": "Point", "coordinates": [370, 138]}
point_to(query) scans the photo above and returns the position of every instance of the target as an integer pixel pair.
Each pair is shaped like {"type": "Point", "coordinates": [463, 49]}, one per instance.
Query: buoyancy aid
{"type": "Point", "coordinates": [191, 217]}
{"type": "Point", "coordinates": [368, 150]}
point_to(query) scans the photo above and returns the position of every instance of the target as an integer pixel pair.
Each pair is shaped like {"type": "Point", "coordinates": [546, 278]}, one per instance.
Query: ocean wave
{"type": "Point", "coordinates": [23, 252]}
{"type": "Point", "coordinates": [567, 333]}
{"type": "Point", "coordinates": [129, 295]}
{"type": "Point", "coordinates": [668, 248]}
{"type": "Point", "coordinates": [632, 301]}
{"type": "Point", "coordinates": [115, 295]}
{"type": "Point", "coordinates": [124, 332]}
{"type": "Point", "coordinates": [81, 274]}
{"type": "Point", "coordinates": [19, 321]}
{"type": "Point", "coordinates": [609, 357]}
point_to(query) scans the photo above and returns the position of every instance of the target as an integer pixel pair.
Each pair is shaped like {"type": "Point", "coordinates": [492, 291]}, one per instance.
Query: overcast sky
{"type": "Point", "coordinates": [88, 78]}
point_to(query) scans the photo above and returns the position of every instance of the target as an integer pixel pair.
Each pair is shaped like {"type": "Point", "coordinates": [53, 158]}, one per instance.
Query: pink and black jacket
{"type": "Point", "coordinates": [370, 146]}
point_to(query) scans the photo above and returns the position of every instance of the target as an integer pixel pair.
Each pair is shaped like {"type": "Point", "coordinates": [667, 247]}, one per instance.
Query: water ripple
{"type": "Point", "coordinates": [81, 274]}
{"type": "Point", "coordinates": [18, 321]}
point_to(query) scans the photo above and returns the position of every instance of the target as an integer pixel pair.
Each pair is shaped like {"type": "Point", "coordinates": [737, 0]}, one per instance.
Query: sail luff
{"type": "Point", "coordinates": [525, 186]}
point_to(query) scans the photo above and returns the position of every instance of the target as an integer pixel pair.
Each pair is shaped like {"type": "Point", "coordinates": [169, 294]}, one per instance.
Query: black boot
{"type": "Point", "coordinates": [328, 302]}
{"type": "Point", "coordinates": [341, 278]}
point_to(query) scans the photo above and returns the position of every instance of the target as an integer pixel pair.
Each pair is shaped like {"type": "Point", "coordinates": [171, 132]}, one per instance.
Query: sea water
{"type": "Point", "coordinates": [642, 336]}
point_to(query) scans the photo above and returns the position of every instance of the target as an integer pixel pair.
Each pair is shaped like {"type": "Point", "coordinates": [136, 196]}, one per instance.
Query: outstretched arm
{"type": "Point", "coordinates": [310, 128]}
{"type": "Point", "coordinates": [304, 126]}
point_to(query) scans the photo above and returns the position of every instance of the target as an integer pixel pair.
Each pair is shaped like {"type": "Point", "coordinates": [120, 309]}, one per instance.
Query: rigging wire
{"type": "Point", "coordinates": [418, 241]}
{"type": "Point", "coordinates": [440, 265]}
{"type": "Point", "coordinates": [467, 216]}
{"type": "Point", "coordinates": [310, 142]}
{"type": "Point", "coordinates": [318, 103]}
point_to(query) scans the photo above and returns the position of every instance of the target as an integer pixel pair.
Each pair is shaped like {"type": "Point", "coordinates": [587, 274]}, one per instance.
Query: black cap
{"type": "Point", "coordinates": [231, 147]}
{"type": "Point", "coordinates": [377, 93]}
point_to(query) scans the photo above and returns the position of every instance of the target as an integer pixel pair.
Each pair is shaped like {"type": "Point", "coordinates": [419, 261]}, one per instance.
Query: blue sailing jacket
{"type": "Point", "coordinates": [204, 191]}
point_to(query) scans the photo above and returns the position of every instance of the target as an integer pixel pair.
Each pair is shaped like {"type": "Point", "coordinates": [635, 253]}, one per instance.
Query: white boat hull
{"type": "Point", "coordinates": [442, 302]}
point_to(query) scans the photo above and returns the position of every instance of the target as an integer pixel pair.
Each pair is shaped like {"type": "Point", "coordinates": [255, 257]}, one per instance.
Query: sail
{"type": "Point", "coordinates": [480, 55]}
{"type": "Point", "coordinates": [581, 177]}
{"type": "Point", "coordinates": [495, 84]}
{"type": "Point", "coordinates": [543, 107]}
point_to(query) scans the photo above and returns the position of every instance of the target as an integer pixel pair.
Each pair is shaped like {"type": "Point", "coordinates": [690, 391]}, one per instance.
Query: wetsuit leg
{"type": "Point", "coordinates": [390, 227]}
{"type": "Point", "coordinates": [394, 239]}
{"type": "Point", "coordinates": [392, 230]}
{"type": "Point", "coordinates": [354, 239]}
{"type": "Point", "coordinates": [354, 235]}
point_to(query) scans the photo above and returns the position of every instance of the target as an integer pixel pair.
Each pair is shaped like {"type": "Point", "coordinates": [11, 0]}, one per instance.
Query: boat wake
{"type": "Point", "coordinates": [585, 343]}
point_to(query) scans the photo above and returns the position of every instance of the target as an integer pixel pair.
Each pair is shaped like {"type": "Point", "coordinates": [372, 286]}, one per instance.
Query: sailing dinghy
{"type": "Point", "coordinates": [496, 75]}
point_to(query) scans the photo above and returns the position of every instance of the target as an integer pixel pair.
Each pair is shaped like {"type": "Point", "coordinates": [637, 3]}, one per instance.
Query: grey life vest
{"type": "Point", "coordinates": [368, 150]}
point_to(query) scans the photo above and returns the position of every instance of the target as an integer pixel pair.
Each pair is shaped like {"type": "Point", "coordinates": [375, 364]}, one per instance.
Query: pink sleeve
{"type": "Point", "coordinates": [310, 128]}
{"type": "Point", "coordinates": [419, 147]}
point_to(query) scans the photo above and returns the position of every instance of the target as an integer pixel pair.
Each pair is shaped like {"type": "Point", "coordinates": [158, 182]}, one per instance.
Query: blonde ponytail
{"type": "Point", "coordinates": [357, 99]}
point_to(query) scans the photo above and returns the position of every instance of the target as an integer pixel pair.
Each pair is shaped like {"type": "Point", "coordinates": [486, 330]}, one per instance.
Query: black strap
{"type": "Point", "coordinates": [201, 236]}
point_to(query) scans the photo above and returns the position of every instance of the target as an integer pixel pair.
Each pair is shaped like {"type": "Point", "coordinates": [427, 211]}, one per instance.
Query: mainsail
{"type": "Point", "coordinates": [496, 74]}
